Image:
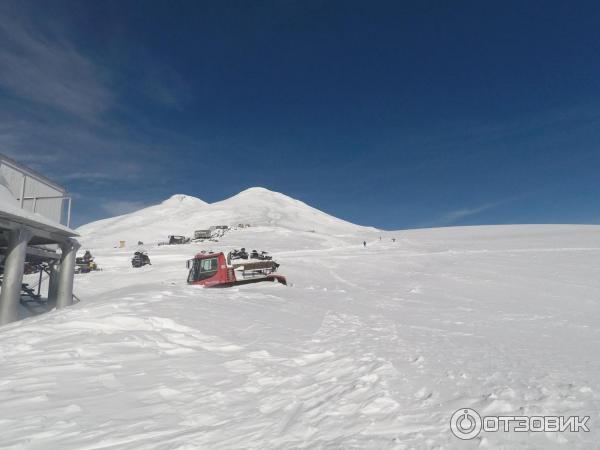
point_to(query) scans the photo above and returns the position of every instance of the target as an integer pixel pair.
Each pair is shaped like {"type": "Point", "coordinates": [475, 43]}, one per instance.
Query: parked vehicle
{"type": "Point", "coordinates": [86, 263]}
{"type": "Point", "coordinates": [237, 254]}
{"type": "Point", "coordinates": [140, 259]}
{"type": "Point", "coordinates": [176, 240]}
{"type": "Point", "coordinates": [213, 270]}
{"type": "Point", "coordinates": [203, 234]}
{"type": "Point", "coordinates": [263, 256]}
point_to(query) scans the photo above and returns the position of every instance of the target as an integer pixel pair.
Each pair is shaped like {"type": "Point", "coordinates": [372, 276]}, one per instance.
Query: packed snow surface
{"type": "Point", "coordinates": [368, 347]}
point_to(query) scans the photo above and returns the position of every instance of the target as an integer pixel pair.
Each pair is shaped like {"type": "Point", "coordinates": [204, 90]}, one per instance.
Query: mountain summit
{"type": "Point", "coordinates": [183, 200]}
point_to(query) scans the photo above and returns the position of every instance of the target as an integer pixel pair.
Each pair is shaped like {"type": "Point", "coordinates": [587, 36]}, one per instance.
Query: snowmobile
{"type": "Point", "coordinates": [85, 264]}
{"type": "Point", "coordinates": [140, 259]}
{"type": "Point", "coordinates": [175, 240]}
{"type": "Point", "coordinates": [262, 255]}
{"type": "Point", "coordinates": [31, 268]}
{"type": "Point", "coordinates": [213, 270]}
{"type": "Point", "coordinates": [237, 254]}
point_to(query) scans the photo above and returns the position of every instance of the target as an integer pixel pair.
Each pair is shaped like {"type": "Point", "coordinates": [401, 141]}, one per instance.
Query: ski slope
{"type": "Point", "coordinates": [367, 348]}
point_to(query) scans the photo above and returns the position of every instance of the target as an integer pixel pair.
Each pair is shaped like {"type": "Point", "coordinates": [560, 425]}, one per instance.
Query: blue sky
{"type": "Point", "coordinates": [393, 114]}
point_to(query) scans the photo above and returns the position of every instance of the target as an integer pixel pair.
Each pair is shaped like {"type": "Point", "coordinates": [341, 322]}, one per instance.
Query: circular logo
{"type": "Point", "coordinates": [465, 423]}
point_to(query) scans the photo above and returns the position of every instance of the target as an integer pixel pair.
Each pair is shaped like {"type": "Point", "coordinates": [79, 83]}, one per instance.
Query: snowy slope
{"type": "Point", "coordinates": [152, 224]}
{"type": "Point", "coordinates": [183, 214]}
{"type": "Point", "coordinates": [368, 348]}
{"type": "Point", "coordinates": [260, 206]}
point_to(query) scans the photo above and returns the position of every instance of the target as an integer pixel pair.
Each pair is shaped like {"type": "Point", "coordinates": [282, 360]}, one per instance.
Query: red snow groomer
{"type": "Point", "coordinates": [215, 270]}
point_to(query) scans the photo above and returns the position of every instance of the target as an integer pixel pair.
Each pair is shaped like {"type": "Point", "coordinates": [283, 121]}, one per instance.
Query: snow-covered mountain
{"type": "Point", "coordinates": [262, 207]}
{"type": "Point", "coordinates": [153, 223]}
{"type": "Point", "coordinates": [182, 214]}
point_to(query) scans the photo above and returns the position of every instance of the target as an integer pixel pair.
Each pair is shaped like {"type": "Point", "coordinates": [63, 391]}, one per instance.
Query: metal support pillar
{"type": "Point", "coordinates": [53, 283]}
{"type": "Point", "coordinates": [69, 213]}
{"type": "Point", "coordinates": [22, 199]}
{"type": "Point", "coordinates": [14, 262]}
{"type": "Point", "coordinates": [39, 286]}
{"type": "Point", "coordinates": [64, 294]}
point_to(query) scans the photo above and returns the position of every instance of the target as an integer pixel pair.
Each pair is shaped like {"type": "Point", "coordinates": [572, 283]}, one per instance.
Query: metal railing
{"type": "Point", "coordinates": [27, 173]}
{"type": "Point", "coordinates": [50, 197]}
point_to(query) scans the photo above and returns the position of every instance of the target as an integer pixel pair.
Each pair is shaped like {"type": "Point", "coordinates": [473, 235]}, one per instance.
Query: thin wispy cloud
{"type": "Point", "coordinates": [120, 207]}
{"type": "Point", "coordinates": [62, 113]}
{"type": "Point", "coordinates": [464, 213]}
{"type": "Point", "coordinates": [165, 87]}
{"type": "Point", "coordinates": [88, 176]}
{"type": "Point", "coordinates": [68, 150]}
{"type": "Point", "coordinates": [44, 68]}
{"type": "Point", "coordinates": [460, 215]}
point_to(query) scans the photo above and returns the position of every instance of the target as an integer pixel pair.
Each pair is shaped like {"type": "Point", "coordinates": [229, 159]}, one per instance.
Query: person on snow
{"type": "Point", "coordinates": [364, 243]}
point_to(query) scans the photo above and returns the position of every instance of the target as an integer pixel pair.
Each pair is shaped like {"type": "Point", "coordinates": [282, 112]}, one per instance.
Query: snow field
{"type": "Point", "coordinates": [370, 347]}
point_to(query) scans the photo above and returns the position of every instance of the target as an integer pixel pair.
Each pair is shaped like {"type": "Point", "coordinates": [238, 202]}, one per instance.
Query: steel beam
{"type": "Point", "coordinates": [64, 294]}
{"type": "Point", "coordinates": [14, 261]}
{"type": "Point", "coordinates": [53, 283]}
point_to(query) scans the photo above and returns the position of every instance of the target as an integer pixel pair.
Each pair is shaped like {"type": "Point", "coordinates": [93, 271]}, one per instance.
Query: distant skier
{"type": "Point", "coordinates": [393, 239]}
{"type": "Point", "coordinates": [364, 243]}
